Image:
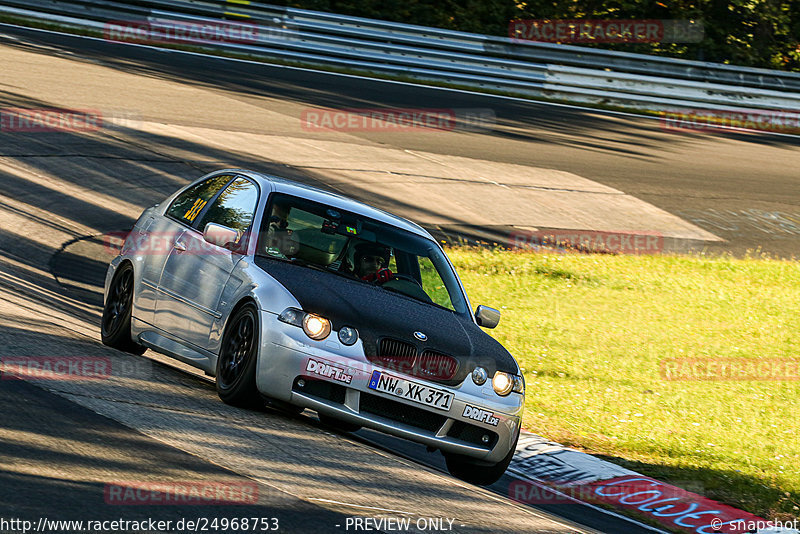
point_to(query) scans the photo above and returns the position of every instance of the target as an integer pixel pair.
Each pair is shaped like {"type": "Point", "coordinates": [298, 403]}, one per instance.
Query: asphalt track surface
{"type": "Point", "coordinates": [742, 187]}
{"type": "Point", "coordinates": [63, 442]}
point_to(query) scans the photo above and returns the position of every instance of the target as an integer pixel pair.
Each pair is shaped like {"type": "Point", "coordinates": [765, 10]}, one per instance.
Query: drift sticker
{"type": "Point", "coordinates": [483, 416]}
{"type": "Point", "coordinates": [328, 371]}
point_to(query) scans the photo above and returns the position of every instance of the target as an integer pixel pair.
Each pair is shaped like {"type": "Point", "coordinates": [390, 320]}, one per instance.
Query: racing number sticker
{"type": "Point", "coordinates": [195, 210]}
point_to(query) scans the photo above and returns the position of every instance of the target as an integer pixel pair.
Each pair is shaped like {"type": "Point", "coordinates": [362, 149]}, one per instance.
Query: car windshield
{"type": "Point", "coordinates": [346, 244]}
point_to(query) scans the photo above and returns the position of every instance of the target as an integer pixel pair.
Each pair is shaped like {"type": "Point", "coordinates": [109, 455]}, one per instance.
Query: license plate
{"type": "Point", "coordinates": [412, 391]}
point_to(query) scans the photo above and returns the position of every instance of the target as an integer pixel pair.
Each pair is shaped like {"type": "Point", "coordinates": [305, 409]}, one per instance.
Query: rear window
{"type": "Point", "coordinates": [189, 204]}
{"type": "Point", "coordinates": [234, 208]}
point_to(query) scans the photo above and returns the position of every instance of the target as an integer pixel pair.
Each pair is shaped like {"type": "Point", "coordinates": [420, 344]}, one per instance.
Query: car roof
{"type": "Point", "coordinates": [284, 185]}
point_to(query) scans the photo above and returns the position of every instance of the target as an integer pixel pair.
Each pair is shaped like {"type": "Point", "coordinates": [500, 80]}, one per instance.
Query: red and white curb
{"type": "Point", "coordinates": [575, 475]}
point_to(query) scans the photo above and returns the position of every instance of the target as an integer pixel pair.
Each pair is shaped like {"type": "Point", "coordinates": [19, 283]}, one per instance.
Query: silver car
{"type": "Point", "coordinates": [301, 298]}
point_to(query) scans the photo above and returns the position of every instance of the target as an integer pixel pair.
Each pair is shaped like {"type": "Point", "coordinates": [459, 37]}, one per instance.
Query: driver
{"type": "Point", "coordinates": [371, 262]}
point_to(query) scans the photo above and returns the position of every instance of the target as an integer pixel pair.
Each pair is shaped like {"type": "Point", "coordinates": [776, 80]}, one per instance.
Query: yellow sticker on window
{"type": "Point", "coordinates": [195, 210]}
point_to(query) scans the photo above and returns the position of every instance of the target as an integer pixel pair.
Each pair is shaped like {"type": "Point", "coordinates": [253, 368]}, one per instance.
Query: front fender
{"type": "Point", "coordinates": [249, 282]}
{"type": "Point", "coordinates": [110, 272]}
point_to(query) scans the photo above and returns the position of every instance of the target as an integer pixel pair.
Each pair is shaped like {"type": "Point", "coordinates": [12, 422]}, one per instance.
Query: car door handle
{"type": "Point", "coordinates": [180, 247]}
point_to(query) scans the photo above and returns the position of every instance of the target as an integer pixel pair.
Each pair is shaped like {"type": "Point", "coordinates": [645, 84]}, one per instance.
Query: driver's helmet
{"type": "Point", "coordinates": [371, 249]}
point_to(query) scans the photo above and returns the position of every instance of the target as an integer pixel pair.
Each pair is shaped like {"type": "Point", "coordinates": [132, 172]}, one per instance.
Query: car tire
{"type": "Point", "coordinates": [338, 424]}
{"type": "Point", "coordinates": [115, 325]}
{"type": "Point", "coordinates": [475, 472]}
{"type": "Point", "coordinates": [238, 357]}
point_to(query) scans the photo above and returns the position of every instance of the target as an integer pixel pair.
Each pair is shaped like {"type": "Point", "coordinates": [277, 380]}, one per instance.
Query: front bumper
{"type": "Point", "coordinates": [342, 391]}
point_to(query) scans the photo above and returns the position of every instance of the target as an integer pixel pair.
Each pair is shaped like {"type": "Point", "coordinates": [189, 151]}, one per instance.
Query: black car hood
{"type": "Point", "coordinates": [378, 313]}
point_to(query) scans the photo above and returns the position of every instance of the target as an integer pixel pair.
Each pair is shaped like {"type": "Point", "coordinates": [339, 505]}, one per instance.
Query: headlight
{"type": "Point", "coordinates": [315, 326]}
{"type": "Point", "coordinates": [292, 316]}
{"type": "Point", "coordinates": [348, 335]}
{"type": "Point", "coordinates": [505, 383]}
{"type": "Point", "coordinates": [502, 383]}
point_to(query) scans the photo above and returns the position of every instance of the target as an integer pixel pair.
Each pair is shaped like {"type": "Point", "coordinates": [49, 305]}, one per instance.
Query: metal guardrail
{"type": "Point", "coordinates": [537, 69]}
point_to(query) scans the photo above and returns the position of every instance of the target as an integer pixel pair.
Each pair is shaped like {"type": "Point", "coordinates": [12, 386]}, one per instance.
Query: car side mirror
{"type": "Point", "coordinates": [487, 317]}
{"type": "Point", "coordinates": [222, 236]}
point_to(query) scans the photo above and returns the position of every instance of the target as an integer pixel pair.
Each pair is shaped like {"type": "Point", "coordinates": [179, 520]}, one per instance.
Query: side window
{"type": "Point", "coordinates": [433, 284]}
{"type": "Point", "coordinates": [188, 205]}
{"type": "Point", "coordinates": [234, 207]}
{"type": "Point", "coordinates": [294, 232]}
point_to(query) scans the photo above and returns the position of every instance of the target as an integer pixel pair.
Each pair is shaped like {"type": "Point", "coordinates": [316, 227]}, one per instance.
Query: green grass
{"type": "Point", "coordinates": [589, 332]}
